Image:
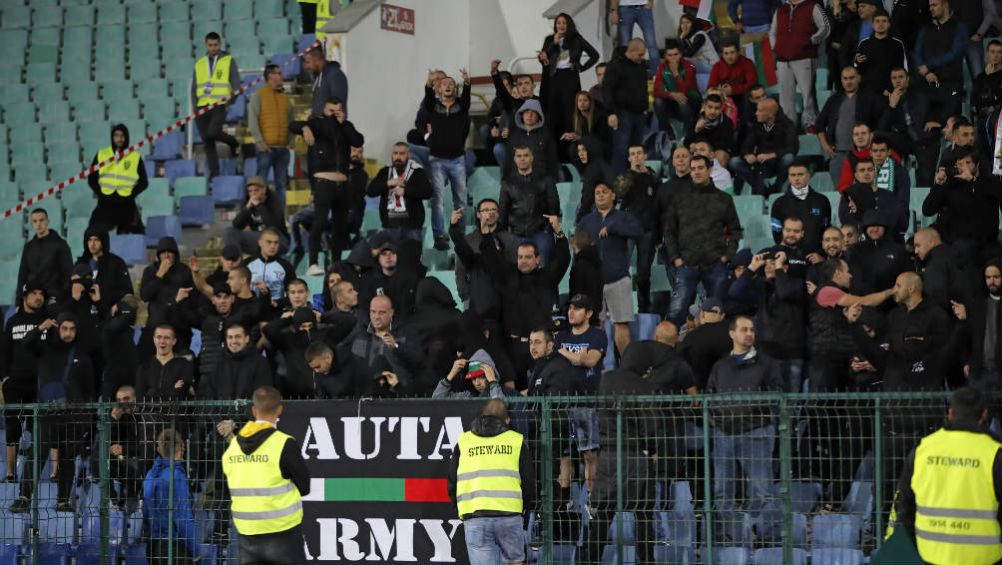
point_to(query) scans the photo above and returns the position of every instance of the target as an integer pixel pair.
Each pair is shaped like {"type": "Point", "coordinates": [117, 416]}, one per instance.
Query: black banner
{"type": "Point", "coordinates": [378, 488]}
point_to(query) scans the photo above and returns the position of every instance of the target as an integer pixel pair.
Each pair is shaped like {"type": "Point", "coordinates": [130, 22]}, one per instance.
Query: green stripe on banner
{"type": "Point", "coordinates": [364, 490]}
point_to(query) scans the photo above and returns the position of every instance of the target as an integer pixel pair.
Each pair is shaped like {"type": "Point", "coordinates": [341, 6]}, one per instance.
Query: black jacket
{"type": "Point", "coordinates": [47, 261]}
{"type": "Point", "coordinates": [756, 372]}
{"type": "Point", "coordinates": [595, 171]}
{"type": "Point", "coordinates": [525, 199]}
{"type": "Point", "coordinates": [781, 324]}
{"type": "Point", "coordinates": [528, 298]}
{"type": "Point", "coordinates": [159, 292]}
{"type": "Point", "coordinates": [16, 360]}
{"type": "Point", "coordinates": [332, 149]}
{"type": "Point", "coordinates": [720, 134]}
{"type": "Point", "coordinates": [586, 276]}
{"type": "Point", "coordinates": [449, 126]}
{"type": "Point", "coordinates": [577, 47]}
{"type": "Point", "coordinates": [703, 347]}
{"type": "Point", "coordinates": [882, 55]}
{"type": "Point", "coordinates": [875, 264]}
{"type": "Point", "coordinates": [489, 426]}
{"type": "Point", "coordinates": [637, 194]}
{"type": "Point", "coordinates": [624, 88]}
{"type": "Point", "coordinates": [815, 211]}
{"type": "Point", "coordinates": [118, 343]}
{"type": "Point", "coordinates": [972, 208]}
{"type": "Point", "coordinates": [934, 48]}
{"type": "Point", "coordinates": [77, 383]}
{"type": "Point", "coordinates": [907, 120]}
{"type": "Point", "coordinates": [416, 189]}
{"type": "Point", "coordinates": [554, 375]}
{"type": "Point", "coordinates": [268, 214]}
{"type": "Point", "coordinates": [346, 378]}
{"type": "Point", "coordinates": [974, 329]}
{"type": "Point", "coordinates": [945, 278]}
{"type": "Point", "coordinates": [986, 94]}
{"type": "Point", "coordinates": [298, 381]}
{"type": "Point", "coordinates": [473, 281]}
{"type": "Point", "coordinates": [405, 359]}
{"type": "Point", "coordinates": [781, 139]}
{"type": "Point", "coordinates": [435, 325]}
{"type": "Point", "coordinates": [156, 381]}
{"type": "Point", "coordinates": [702, 226]}
{"type": "Point", "coordinates": [237, 375]}
{"type": "Point", "coordinates": [539, 140]}
{"type": "Point", "coordinates": [112, 272]}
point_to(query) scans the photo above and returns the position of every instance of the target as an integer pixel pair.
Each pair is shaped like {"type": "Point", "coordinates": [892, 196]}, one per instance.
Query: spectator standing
{"type": "Point", "coordinates": [165, 375]}
{"type": "Point", "coordinates": [269, 114]}
{"type": "Point", "coordinates": [128, 445]}
{"type": "Point", "coordinates": [968, 205]}
{"type": "Point", "coordinates": [160, 283]}
{"type": "Point", "coordinates": [981, 323]}
{"type": "Point", "coordinates": [638, 195]}
{"type": "Point", "coordinates": [401, 186]}
{"type": "Point", "coordinates": [986, 92]}
{"type": "Point", "coordinates": [528, 198]}
{"type": "Point", "coordinates": [165, 502]}
{"type": "Point", "coordinates": [596, 91]}
{"type": "Point", "coordinates": [719, 174]}
{"type": "Point", "coordinates": [803, 202]}
{"type": "Point", "coordinates": [855, 30]}
{"type": "Point", "coordinates": [528, 131]}
{"type": "Point", "coordinates": [448, 125]}
{"type": "Point", "coordinates": [939, 49]}
{"type": "Point", "coordinates": [562, 59]}
{"type": "Point", "coordinates": [473, 280]}
{"type": "Point", "coordinates": [240, 371]}
{"type": "Point", "coordinates": [594, 169]}
{"type": "Point", "coordinates": [977, 16]}
{"type": "Point", "coordinates": [291, 334]}
{"type": "Point", "coordinates": [840, 114]}
{"type": "Point", "coordinates": [117, 184]}
{"type": "Point", "coordinates": [695, 240]}
{"type": "Point", "coordinates": [756, 15]}
{"type": "Point", "coordinates": [768, 149]}
{"type": "Point", "coordinates": [117, 335]}
{"type": "Point", "coordinates": [107, 270]}
{"type": "Point", "coordinates": [624, 90]}
{"type": "Point", "coordinates": [912, 129]}
{"type": "Point", "coordinates": [944, 278]}
{"type": "Point", "coordinates": [625, 14]}
{"type": "Point", "coordinates": [798, 28]}
{"type": "Point", "coordinates": [675, 94]}
{"type": "Point", "coordinates": [878, 259]}
{"type": "Point", "coordinates": [734, 73]}
{"type": "Point", "coordinates": [892, 177]}
{"type": "Point", "coordinates": [329, 81]}
{"type": "Point", "coordinates": [862, 137]}
{"type": "Point", "coordinates": [215, 79]}
{"type": "Point", "coordinates": [877, 54]}
{"type": "Point", "coordinates": [589, 123]}
{"type": "Point", "coordinates": [45, 259]}
{"type": "Point", "coordinates": [781, 315]}
{"type": "Point", "coordinates": [263, 209]}
{"type": "Point", "coordinates": [586, 271]}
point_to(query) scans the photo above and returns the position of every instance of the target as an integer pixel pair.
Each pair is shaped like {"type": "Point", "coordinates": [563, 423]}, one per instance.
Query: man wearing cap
{"type": "Point", "coordinates": [270, 272]}
{"type": "Point", "coordinates": [160, 283]}
{"type": "Point", "coordinates": [385, 279]}
{"type": "Point", "coordinates": [46, 259]}
{"type": "Point", "coordinates": [401, 187]}
{"type": "Point", "coordinates": [18, 366]}
{"type": "Point", "coordinates": [262, 209]}
{"type": "Point", "coordinates": [708, 343]}
{"type": "Point", "coordinates": [478, 372]}
{"type": "Point", "coordinates": [877, 260]}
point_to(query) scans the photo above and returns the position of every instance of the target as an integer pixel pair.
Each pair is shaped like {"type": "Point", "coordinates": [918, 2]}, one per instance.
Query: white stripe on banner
{"type": "Point", "coordinates": [316, 491]}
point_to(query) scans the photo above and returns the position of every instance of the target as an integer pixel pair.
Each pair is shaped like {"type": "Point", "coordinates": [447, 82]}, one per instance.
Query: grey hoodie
{"type": "Point", "coordinates": [538, 139]}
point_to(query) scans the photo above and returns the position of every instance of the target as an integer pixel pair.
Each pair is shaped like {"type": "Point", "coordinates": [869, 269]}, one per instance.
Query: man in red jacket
{"type": "Point", "coordinates": [734, 73]}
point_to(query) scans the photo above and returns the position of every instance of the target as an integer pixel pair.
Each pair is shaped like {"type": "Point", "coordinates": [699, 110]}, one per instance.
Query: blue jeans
{"type": "Point", "coordinates": [544, 244]}
{"type": "Point", "coordinates": [975, 56]}
{"type": "Point", "coordinates": [495, 540]}
{"type": "Point", "coordinates": [278, 159]}
{"type": "Point", "coordinates": [754, 450]}
{"type": "Point", "coordinates": [684, 282]}
{"type": "Point", "coordinates": [756, 174]}
{"type": "Point", "coordinates": [453, 170]}
{"type": "Point", "coordinates": [421, 154]}
{"type": "Point", "coordinates": [792, 371]}
{"type": "Point", "coordinates": [644, 17]}
{"type": "Point", "coordinates": [631, 131]}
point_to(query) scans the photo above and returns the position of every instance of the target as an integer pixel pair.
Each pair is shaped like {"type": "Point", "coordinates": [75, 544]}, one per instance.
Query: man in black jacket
{"type": "Point", "coordinates": [448, 124]}
{"type": "Point", "coordinates": [384, 340]}
{"type": "Point", "coordinates": [701, 234]}
{"type": "Point", "coordinates": [713, 126]}
{"type": "Point", "coordinates": [624, 90]}
{"type": "Point", "coordinates": [160, 283]}
{"type": "Point", "coordinates": [118, 343]}
{"type": "Point", "coordinates": [939, 50]}
{"type": "Point", "coordinates": [911, 125]}
{"type": "Point", "coordinates": [291, 334]}
{"type": "Point", "coordinates": [636, 190]}
{"type": "Point", "coordinates": [944, 278]}
{"type": "Point", "coordinates": [108, 271]}
{"type": "Point", "coordinates": [981, 320]}
{"type": "Point", "coordinates": [336, 372]}
{"type": "Point", "coordinates": [529, 130]}
{"type": "Point", "coordinates": [782, 317]}
{"type": "Point", "coordinates": [878, 260]}
{"type": "Point", "coordinates": [708, 343]}
{"type": "Point", "coordinates": [876, 55]}
{"type": "Point", "coordinates": [262, 209]}
{"type": "Point", "coordinates": [769, 147]}
{"type": "Point", "coordinates": [46, 259]}
{"type": "Point", "coordinates": [165, 376]}
{"type": "Point", "coordinates": [528, 197]}
{"type": "Point", "coordinates": [801, 201]}
{"type": "Point", "coordinates": [472, 280]}
{"type": "Point", "coordinates": [401, 186]}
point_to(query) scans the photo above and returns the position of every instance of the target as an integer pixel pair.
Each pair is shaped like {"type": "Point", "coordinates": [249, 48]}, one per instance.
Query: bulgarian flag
{"type": "Point", "coordinates": [760, 52]}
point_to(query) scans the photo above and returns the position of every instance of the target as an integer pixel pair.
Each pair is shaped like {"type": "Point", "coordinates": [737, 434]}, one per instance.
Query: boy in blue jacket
{"type": "Point", "coordinates": [156, 491]}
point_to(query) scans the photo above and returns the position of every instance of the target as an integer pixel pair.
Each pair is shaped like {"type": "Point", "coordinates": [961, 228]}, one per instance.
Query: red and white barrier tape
{"type": "Point", "coordinates": [138, 145]}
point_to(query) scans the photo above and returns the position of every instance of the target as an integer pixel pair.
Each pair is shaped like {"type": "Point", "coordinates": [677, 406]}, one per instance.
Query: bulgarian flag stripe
{"type": "Point", "coordinates": [367, 489]}
{"type": "Point", "coordinates": [761, 53]}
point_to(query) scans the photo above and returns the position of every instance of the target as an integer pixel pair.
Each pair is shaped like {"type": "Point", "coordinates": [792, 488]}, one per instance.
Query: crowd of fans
{"type": "Point", "coordinates": [857, 307]}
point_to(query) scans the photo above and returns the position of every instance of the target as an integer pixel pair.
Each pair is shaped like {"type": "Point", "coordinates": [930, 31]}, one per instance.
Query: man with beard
{"type": "Point", "coordinates": [473, 281]}
{"type": "Point", "coordinates": [832, 247]}
{"type": "Point", "coordinates": [981, 325]}
{"type": "Point", "coordinates": [802, 201]}
{"type": "Point", "coordinates": [401, 187]}
{"type": "Point", "coordinates": [117, 185]}
{"type": "Point", "coordinates": [791, 246]}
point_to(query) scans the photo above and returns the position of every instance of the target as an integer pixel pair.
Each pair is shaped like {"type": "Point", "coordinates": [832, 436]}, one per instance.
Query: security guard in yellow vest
{"type": "Point", "coordinates": [492, 484]}
{"type": "Point", "coordinates": [215, 78]}
{"type": "Point", "coordinates": [951, 486]}
{"type": "Point", "coordinates": [117, 185]}
{"type": "Point", "coordinates": [267, 477]}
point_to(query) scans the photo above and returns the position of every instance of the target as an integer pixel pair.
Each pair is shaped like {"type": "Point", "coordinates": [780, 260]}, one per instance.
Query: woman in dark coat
{"type": "Point", "coordinates": [561, 57]}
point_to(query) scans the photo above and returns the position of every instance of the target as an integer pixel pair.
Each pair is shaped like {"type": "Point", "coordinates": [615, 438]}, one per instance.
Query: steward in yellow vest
{"type": "Point", "coordinates": [117, 185]}
{"type": "Point", "coordinates": [215, 79]}
{"type": "Point", "coordinates": [950, 489]}
{"type": "Point", "coordinates": [492, 483]}
{"type": "Point", "coordinates": [267, 478]}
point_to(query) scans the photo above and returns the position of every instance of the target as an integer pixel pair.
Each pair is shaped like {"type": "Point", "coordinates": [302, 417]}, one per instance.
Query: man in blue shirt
{"type": "Point", "coordinates": [157, 508]}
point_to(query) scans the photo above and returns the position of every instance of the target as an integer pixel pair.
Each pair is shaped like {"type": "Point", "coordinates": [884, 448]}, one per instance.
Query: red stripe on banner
{"type": "Point", "coordinates": [426, 490]}
{"type": "Point", "coordinates": [768, 62]}
{"type": "Point", "coordinates": [149, 138]}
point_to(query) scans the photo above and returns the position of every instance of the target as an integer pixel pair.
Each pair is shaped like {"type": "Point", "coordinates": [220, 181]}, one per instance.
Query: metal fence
{"type": "Point", "coordinates": [669, 479]}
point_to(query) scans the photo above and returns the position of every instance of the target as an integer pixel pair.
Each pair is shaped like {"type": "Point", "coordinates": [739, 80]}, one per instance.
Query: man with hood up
{"type": "Point", "coordinates": [435, 322]}
{"type": "Point", "coordinates": [117, 185]}
{"type": "Point", "coordinates": [160, 283]}
{"type": "Point", "coordinates": [529, 131]}
{"type": "Point", "coordinates": [589, 160]}
{"type": "Point", "coordinates": [480, 379]}
{"type": "Point", "coordinates": [291, 335]}
{"type": "Point", "coordinates": [118, 343]}
{"type": "Point", "coordinates": [108, 271]}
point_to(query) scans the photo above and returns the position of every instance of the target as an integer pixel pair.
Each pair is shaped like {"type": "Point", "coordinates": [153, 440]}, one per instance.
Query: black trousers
{"type": "Point", "coordinates": [282, 548]}
{"type": "Point", "coordinates": [646, 248]}
{"type": "Point", "coordinates": [17, 391]}
{"type": "Point", "coordinates": [158, 551]}
{"type": "Point", "coordinates": [561, 90]}
{"type": "Point", "coordinates": [120, 214]}
{"type": "Point", "coordinates": [309, 13]}
{"type": "Point", "coordinates": [210, 127]}
{"type": "Point", "coordinates": [331, 201]}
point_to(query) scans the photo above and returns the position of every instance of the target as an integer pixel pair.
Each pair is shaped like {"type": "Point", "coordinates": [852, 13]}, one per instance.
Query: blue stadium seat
{"type": "Point", "coordinates": [162, 226]}
{"type": "Point", "coordinates": [304, 41]}
{"type": "Point", "coordinates": [13, 527]}
{"type": "Point", "coordinates": [90, 553]}
{"type": "Point", "coordinates": [179, 168]}
{"type": "Point", "coordinates": [228, 190]}
{"type": "Point", "coordinates": [609, 555]}
{"type": "Point", "coordinates": [196, 210]}
{"type": "Point", "coordinates": [835, 530]}
{"type": "Point", "coordinates": [774, 556]}
{"type": "Point", "coordinates": [9, 554]}
{"type": "Point", "coordinates": [54, 553]}
{"type": "Point", "coordinates": [91, 527]}
{"type": "Point", "coordinates": [730, 556]}
{"type": "Point", "coordinates": [130, 247]}
{"type": "Point", "coordinates": [237, 110]}
{"type": "Point", "coordinates": [169, 146]}
{"type": "Point", "coordinates": [836, 556]}
{"type": "Point", "coordinates": [57, 527]}
{"type": "Point", "coordinates": [135, 554]}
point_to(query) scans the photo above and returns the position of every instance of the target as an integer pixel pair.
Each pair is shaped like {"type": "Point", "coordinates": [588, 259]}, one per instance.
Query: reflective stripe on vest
{"type": "Point", "coordinates": [488, 477]}
{"type": "Point", "coordinates": [956, 513]}
{"type": "Point", "coordinates": [262, 501]}
{"type": "Point", "coordinates": [214, 86]}
{"type": "Point", "coordinates": [118, 176]}
{"type": "Point", "coordinates": [323, 16]}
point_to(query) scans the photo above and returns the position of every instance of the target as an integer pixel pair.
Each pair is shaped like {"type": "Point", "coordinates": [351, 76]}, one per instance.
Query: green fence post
{"type": "Point", "coordinates": [619, 483]}
{"type": "Point", "coordinates": [786, 474]}
{"type": "Point", "coordinates": [878, 473]}
{"type": "Point", "coordinates": [104, 478]}
{"type": "Point", "coordinates": [707, 484]}
{"type": "Point", "coordinates": [547, 449]}
{"type": "Point", "coordinates": [36, 450]}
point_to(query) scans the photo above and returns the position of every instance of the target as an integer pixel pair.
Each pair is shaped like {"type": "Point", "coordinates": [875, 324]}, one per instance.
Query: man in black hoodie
{"type": "Point", "coordinates": [448, 124]}
{"type": "Point", "coordinates": [435, 322]}
{"type": "Point", "coordinates": [117, 185]}
{"type": "Point", "coordinates": [291, 334]}
{"type": "Point", "coordinates": [160, 283]}
{"type": "Point", "coordinates": [473, 281]}
{"type": "Point", "coordinates": [46, 259]}
{"type": "Point", "coordinates": [262, 209]}
{"type": "Point", "coordinates": [65, 375]}
{"type": "Point", "coordinates": [118, 343]}
{"type": "Point", "coordinates": [401, 186]}
{"type": "Point", "coordinates": [18, 366]}
{"type": "Point", "coordinates": [636, 189]}
{"type": "Point", "coordinates": [336, 372]}
{"type": "Point", "coordinates": [108, 271]}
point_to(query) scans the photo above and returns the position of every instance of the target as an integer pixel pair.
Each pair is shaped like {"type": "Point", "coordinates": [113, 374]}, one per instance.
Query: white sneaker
{"type": "Point", "coordinates": [314, 271]}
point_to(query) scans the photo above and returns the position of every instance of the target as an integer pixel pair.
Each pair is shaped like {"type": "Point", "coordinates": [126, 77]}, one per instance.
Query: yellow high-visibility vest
{"type": "Point", "coordinates": [488, 477]}
{"type": "Point", "coordinates": [212, 85]}
{"type": "Point", "coordinates": [262, 501]}
{"type": "Point", "coordinates": [323, 16]}
{"type": "Point", "coordinates": [956, 513]}
{"type": "Point", "coordinates": [118, 176]}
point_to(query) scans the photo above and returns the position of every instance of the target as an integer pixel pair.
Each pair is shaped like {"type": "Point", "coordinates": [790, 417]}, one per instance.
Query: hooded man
{"type": "Point", "coordinates": [117, 185]}
{"type": "Point", "coordinates": [292, 334]}
{"type": "Point", "coordinates": [530, 131]}
{"type": "Point", "coordinates": [878, 260]}
{"type": "Point", "coordinates": [435, 322]}
{"type": "Point", "coordinates": [107, 270]}
{"type": "Point", "coordinates": [478, 379]}
{"type": "Point", "coordinates": [118, 343]}
{"type": "Point", "coordinates": [160, 283]}
{"type": "Point", "coordinates": [401, 186]}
